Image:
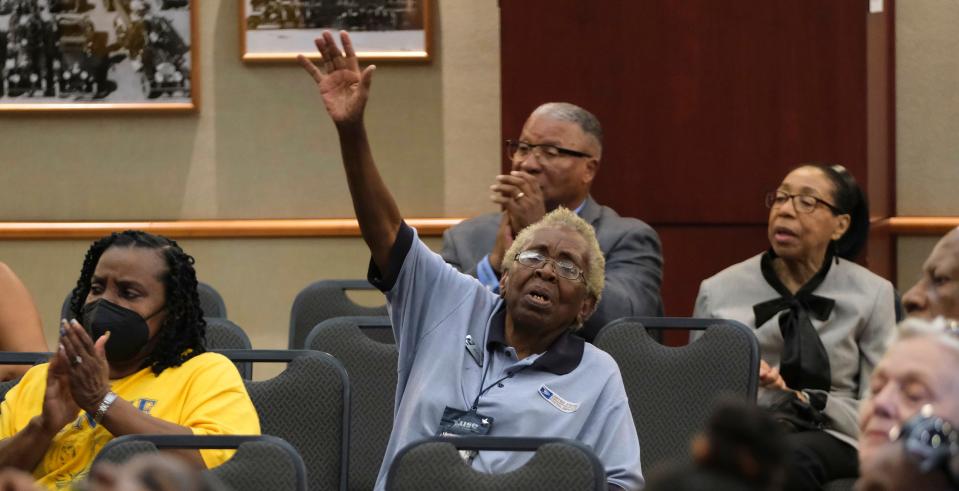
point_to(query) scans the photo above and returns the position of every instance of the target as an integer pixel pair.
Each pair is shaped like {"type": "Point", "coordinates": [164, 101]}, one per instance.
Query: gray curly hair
{"type": "Point", "coordinates": [564, 218]}
{"type": "Point", "coordinates": [572, 113]}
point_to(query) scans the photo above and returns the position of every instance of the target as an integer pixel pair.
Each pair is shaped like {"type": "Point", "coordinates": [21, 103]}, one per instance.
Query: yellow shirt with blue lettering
{"type": "Point", "coordinates": [205, 394]}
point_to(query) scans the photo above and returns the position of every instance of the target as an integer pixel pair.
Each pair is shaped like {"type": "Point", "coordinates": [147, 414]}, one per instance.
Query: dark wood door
{"type": "Point", "coordinates": [706, 105]}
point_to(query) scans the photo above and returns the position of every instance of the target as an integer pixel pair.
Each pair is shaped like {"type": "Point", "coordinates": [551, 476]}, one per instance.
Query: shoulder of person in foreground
{"type": "Point", "coordinates": [20, 326]}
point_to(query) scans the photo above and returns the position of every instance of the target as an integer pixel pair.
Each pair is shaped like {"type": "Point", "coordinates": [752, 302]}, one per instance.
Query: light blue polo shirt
{"type": "Point", "coordinates": [573, 390]}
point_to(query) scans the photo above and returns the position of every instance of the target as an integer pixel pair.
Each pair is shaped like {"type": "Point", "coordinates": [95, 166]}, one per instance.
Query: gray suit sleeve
{"type": "Point", "coordinates": [451, 253]}
{"type": "Point", "coordinates": [634, 272]}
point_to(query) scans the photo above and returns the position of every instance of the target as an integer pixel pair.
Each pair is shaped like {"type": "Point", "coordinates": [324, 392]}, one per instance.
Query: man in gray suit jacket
{"type": "Point", "coordinates": [554, 163]}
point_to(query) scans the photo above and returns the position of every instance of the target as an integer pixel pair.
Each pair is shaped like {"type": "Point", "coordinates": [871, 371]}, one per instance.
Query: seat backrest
{"type": "Point", "coordinates": [210, 302]}
{"type": "Point", "coordinates": [324, 300]}
{"type": "Point", "coordinates": [222, 333]}
{"type": "Point", "coordinates": [260, 462]}
{"type": "Point", "coordinates": [371, 366]}
{"type": "Point", "coordinates": [671, 390]}
{"type": "Point", "coordinates": [308, 405]}
{"type": "Point", "coordinates": [435, 464]}
{"type": "Point", "coordinates": [19, 358]}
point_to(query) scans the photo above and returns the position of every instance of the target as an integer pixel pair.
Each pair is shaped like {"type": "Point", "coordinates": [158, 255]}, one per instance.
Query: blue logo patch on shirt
{"type": "Point", "coordinates": [557, 401]}
{"type": "Point", "coordinates": [146, 405]}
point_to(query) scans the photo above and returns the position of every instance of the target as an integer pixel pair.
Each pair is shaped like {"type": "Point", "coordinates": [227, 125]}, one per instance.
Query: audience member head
{"type": "Point", "coordinates": [561, 145]}
{"type": "Point", "coordinates": [150, 472]}
{"type": "Point", "coordinates": [553, 274]}
{"type": "Point", "coordinates": [741, 449]}
{"type": "Point", "coordinates": [743, 442]}
{"type": "Point", "coordinates": [917, 370]}
{"type": "Point", "coordinates": [937, 291]}
{"type": "Point", "coordinates": [151, 276]}
{"type": "Point", "coordinates": [817, 207]}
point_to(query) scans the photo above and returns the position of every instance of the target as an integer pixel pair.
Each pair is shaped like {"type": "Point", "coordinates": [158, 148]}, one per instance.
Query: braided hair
{"type": "Point", "coordinates": [183, 332]}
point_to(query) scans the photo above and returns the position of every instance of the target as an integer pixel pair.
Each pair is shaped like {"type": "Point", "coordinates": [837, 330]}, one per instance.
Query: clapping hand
{"type": "Point", "coordinates": [343, 86]}
{"type": "Point", "coordinates": [519, 195]}
{"type": "Point", "coordinates": [89, 371]}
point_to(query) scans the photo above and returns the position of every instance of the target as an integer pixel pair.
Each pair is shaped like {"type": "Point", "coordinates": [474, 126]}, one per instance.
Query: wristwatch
{"type": "Point", "coordinates": [104, 406]}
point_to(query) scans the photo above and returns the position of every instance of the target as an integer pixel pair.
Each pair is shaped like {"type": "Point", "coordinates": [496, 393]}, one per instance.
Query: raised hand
{"type": "Point", "coordinates": [343, 86]}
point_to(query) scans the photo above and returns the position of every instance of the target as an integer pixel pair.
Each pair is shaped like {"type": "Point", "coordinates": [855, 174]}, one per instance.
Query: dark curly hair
{"type": "Point", "coordinates": [182, 334]}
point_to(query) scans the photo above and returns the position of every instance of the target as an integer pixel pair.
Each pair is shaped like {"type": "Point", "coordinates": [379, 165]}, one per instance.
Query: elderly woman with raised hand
{"type": "Point", "coordinates": [908, 434]}
{"type": "Point", "coordinates": [133, 363]}
{"type": "Point", "coordinates": [822, 320]}
{"type": "Point", "coordinates": [471, 361]}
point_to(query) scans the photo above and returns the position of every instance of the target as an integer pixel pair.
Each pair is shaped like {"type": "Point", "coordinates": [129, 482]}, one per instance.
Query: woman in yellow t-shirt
{"type": "Point", "coordinates": [130, 361]}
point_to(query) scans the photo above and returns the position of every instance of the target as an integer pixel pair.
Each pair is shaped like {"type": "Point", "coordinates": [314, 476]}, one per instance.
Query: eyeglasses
{"type": "Point", "coordinates": [803, 203]}
{"type": "Point", "coordinates": [562, 267]}
{"type": "Point", "coordinates": [518, 151]}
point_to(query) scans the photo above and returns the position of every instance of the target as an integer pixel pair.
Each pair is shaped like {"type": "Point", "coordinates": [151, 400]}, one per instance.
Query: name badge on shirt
{"type": "Point", "coordinates": [557, 401]}
{"type": "Point", "coordinates": [456, 422]}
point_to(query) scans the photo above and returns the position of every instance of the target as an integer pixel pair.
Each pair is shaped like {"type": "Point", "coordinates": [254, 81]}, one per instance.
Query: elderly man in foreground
{"type": "Point", "coordinates": [470, 361]}
{"type": "Point", "coordinates": [909, 438]}
{"type": "Point", "coordinates": [554, 162]}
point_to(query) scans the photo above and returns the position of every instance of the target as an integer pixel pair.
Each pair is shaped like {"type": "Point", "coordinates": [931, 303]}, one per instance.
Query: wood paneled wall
{"type": "Point", "coordinates": [706, 105]}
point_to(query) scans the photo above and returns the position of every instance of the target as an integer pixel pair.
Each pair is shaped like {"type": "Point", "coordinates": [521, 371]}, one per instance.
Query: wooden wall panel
{"type": "Point", "coordinates": [692, 253]}
{"type": "Point", "coordinates": [706, 105]}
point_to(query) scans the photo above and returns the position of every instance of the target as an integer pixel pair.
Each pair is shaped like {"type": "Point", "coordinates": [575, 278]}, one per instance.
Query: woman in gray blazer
{"type": "Point", "coordinates": [822, 320]}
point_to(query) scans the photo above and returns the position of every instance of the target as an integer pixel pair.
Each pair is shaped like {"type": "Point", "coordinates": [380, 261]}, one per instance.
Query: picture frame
{"type": "Point", "coordinates": [99, 55]}
{"type": "Point", "coordinates": [381, 30]}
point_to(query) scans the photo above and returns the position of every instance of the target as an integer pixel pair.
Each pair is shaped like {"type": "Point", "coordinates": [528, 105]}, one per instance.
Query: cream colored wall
{"type": "Point", "coordinates": [260, 147]}
{"type": "Point", "coordinates": [927, 121]}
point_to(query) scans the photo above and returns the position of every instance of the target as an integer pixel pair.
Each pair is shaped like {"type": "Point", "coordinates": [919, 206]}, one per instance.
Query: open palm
{"type": "Point", "coordinates": [343, 86]}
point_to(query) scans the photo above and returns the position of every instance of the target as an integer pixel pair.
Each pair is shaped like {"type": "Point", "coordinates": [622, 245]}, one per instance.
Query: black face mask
{"type": "Point", "coordinates": [129, 332]}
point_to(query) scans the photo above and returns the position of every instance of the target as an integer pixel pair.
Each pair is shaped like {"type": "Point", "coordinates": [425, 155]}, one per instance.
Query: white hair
{"type": "Point", "coordinates": [944, 332]}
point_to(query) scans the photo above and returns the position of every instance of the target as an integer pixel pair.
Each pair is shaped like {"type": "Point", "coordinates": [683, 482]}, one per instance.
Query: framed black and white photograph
{"type": "Point", "coordinates": [97, 55]}
{"type": "Point", "coordinates": [278, 30]}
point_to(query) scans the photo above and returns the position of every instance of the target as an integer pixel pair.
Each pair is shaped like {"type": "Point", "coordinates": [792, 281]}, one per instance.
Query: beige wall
{"type": "Point", "coordinates": [260, 147]}
{"type": "Point", "coordinates": [927, 120]}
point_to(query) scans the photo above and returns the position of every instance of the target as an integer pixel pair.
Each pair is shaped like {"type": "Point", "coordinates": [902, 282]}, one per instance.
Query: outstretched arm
{"type": "Point", "coordinates": [345, 90]}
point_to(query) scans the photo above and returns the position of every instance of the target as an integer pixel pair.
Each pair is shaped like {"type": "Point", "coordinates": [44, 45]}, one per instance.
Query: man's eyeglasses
{"type": "Point", "coordinates": [518, 151]}
{"type": "Point", "coordinates": [803, 203]}
{"type": "Point", "coordinates": [562, 267]}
